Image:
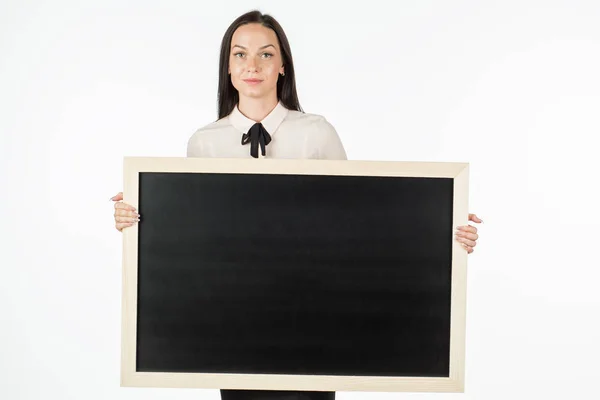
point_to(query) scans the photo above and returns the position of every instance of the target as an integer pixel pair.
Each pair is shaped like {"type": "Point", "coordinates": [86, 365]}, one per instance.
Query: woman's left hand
{"type": "Point", "coordinates": [467, 235]}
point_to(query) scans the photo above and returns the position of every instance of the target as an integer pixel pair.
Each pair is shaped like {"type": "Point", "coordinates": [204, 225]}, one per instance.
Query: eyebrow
{"type": "Point", "coordinates": [263, 47]}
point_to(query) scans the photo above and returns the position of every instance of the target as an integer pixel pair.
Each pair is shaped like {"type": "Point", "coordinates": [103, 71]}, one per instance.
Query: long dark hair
{"type": "Point", "coordinates": [228, 96]}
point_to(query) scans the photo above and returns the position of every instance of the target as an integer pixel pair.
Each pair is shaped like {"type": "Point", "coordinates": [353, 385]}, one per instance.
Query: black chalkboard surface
{"type": "Point", "coordinates": [294, 274]}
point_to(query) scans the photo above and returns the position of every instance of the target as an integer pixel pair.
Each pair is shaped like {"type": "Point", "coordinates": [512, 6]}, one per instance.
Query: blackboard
{"type": "Point", "coordinates": [286, 269]}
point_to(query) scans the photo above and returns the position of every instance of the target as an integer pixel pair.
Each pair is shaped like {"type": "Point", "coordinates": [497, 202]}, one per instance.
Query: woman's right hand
{"type": "Point", "coordinates": [125, 214]}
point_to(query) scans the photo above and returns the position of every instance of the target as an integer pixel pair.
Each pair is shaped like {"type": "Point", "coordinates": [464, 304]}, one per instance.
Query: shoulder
{"type": "Point", "coordinates": [200, 141]}
{"type": "Point", "coordinates": [306, 118]}
{"type": "Point", "coordinates": [309, 122]}
{"type": "Point", "coordinates": [321, 133]}
{"type": "Point", "coordinates": [210, 129]}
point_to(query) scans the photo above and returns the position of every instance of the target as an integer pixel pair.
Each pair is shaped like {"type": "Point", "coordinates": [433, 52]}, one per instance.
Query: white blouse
{"type": "Point", "coordinates": [294, 135]}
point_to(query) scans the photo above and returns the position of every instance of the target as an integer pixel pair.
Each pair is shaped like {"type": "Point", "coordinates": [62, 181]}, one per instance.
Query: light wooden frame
{"type": "Point", "coordinates": [133, 166]}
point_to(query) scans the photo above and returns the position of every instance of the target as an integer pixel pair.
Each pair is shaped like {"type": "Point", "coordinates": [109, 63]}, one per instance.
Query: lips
{"type": "Point", "coordinates": [252, 81]}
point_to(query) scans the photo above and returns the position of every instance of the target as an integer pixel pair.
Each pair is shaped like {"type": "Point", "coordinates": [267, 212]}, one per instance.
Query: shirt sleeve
{"type": "Point", "coordinates": [332, 147]}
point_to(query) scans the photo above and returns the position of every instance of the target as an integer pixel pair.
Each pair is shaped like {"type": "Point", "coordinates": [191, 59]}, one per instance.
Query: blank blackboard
{"type": "Point", "coordinates": [282, 269]}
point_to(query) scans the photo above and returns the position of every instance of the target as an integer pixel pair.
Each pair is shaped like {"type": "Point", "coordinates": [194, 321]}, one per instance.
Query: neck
{"type": "Point", "coordinates": [257, 109]}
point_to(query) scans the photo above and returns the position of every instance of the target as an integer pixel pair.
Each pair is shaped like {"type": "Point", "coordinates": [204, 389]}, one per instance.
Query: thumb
{"type": "Point", "coordinates": [117, 197]}
{"type": "Point", "coordinates": [475, 218]}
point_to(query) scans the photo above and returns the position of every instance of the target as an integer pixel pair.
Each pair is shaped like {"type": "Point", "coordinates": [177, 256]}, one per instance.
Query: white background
{"type": "Point", "coordinates": [512, 87]}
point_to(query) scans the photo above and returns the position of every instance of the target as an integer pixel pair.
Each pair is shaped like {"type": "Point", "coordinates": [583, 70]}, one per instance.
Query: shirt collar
{"type": "Point", "coordinates": [271, 122]}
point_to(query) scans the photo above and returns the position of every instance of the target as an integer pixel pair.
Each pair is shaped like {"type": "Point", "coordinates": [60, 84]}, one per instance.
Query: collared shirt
{"type": "Point", "coordinates": [294, 135]}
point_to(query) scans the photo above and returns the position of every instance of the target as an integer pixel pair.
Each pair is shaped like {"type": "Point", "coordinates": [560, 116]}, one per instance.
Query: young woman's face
{"type": "Point", "coordinates": [255, 61]}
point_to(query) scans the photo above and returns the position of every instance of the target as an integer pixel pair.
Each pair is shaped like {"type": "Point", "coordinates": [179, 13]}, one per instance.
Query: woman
{"type": "Point", "coordinates": [260, 116]}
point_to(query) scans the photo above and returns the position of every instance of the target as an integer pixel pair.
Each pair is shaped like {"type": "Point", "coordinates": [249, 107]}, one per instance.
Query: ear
{"type": "Point", "coordinates": [282, 70]}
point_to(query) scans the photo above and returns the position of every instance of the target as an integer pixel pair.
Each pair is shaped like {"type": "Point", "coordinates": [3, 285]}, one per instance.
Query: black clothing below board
{"type": "Point", "coordinates": [229, 394]}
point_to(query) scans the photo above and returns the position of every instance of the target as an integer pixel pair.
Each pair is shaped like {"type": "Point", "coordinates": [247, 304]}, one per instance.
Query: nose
{"type": "Point", "coordinates": [251, 65]}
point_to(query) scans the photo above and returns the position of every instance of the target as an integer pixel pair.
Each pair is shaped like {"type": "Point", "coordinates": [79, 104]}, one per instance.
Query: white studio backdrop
{"type": "Point", "coordinates": [512, 87]}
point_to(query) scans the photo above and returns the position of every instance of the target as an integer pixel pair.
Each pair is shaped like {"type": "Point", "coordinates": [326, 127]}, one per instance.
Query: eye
{"type": "Point", "coordinates": [267, 55]}
{"type": "Point", "coordinates": [239, 55]}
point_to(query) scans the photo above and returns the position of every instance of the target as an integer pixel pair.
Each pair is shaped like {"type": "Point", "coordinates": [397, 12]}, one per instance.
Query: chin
{"type": "Point", "coordinates": [255, 94]}
{"type": "Point", "coordinates": [252, 93]}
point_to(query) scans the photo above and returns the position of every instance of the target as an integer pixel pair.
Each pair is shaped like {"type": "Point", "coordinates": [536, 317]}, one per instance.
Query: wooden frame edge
{"type": "Point", "coordinates": [294, 382]}
{"type": "Point", "coordinates": [129, 276]}
{"type": "Point", "coordinates": [459, 280]}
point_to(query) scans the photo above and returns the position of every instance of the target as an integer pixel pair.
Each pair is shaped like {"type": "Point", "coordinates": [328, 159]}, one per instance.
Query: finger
{"type": "Point", "coordinates": [124, 206]}
{"type": "Point", "coordinates": [467, 228]}
{"type": "Point", "coordinates": [126, 213]}
{"type": "Point", "coordinates": [117, 197]}
{"type": "Point", "coordinates": [121, 226]}
{"type": "Point", "coordinates": [467, 248]}
{"type": "Point", "coordinates": [468, 242]}
{"type": "Point", "coordinates": [475, 218]}
{"type": "Point", "coordinates": [126, 220]}
{"type": "Point", "coordinates": [468, 235]}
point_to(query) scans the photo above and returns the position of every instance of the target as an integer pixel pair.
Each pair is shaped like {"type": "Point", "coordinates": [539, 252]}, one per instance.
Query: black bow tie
{"type": "Point", "coordinates": [255, 136]}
